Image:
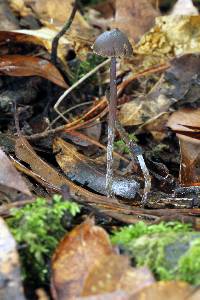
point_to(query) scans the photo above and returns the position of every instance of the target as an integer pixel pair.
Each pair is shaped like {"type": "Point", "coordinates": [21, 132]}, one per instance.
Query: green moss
{"type": "Point", "coordinates": [170, 250]}
{"type": "Point", "coordinates": [37, 228]}
{"type": "Point", "coordinates": [131, 232]}
{"type": "Point", "coordinates": [189, 264]}
{"type": "Point", "coordinates": [122, 147]}
{"type": "Point", "coordinates": [81, 68]}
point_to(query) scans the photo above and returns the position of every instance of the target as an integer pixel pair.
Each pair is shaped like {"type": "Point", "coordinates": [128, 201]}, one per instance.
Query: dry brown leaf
{"type": "Point", "coordinates": [189, 146]}
{"type": "Point", "coordinates": [156, 126]}
{"type": "Point", "coordinates": [86, 171]}
{"type": "Point", "coordinates": [134, 17]}
{"type": "Point", "coordinates": [53, 11]}
{"type": "Point", "coordinates": [20, 65]}
{"type": "Point", "coordinates": [78, 39]}
{"type": "Point", "coordinates": [171, 36]}
{"type": "Point", "coordinates": [75, 256]}
{"type": "Point", "coordinates": [114, 273]}
{"type": "Point", "coordinates": [85, 264]}
{"type": "Point", "coordinates": [10, 179]}
{"type": "Point", "coordinates": [163, 290]}
{"type": "Point", "coordinates": [25, 152]}
{"type": "Point", "coordinates": [141, 109]}
{"type": "Point", "coordinates": [10, 277]}
{"type": "Point", "coordinates": [45, 36]}
{"type": "Point", "coordinates": [178, 83]}
{"type": "Point", "coordinates": [8, 37]}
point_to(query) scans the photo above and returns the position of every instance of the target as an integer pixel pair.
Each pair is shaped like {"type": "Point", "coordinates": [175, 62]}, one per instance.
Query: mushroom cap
{"type": "Point", "coordinates": [113, 43]}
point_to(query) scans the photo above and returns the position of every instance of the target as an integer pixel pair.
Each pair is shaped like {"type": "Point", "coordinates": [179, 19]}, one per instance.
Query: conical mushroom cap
{"type": "Point", "coordinates": [113, 43]}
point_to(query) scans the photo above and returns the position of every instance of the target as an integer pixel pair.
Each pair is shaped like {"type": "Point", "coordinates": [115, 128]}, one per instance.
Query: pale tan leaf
{"type": "Point", "coordinates": [10, 277]}
{"type": "Point", "coordinates": [9, 176]}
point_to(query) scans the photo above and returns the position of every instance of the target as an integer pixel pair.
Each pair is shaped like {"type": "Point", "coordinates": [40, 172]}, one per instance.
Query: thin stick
{"type": "Point", "coordinates": [111, 126]}
{"type": "Point", "coordinates": [76, 84]}
{"type": "Point", "coordinates": [66, 27]}
{"type": "Point", "coordinates": [69, 110]}
{"type": "Point", "coordinates": [136, 151]}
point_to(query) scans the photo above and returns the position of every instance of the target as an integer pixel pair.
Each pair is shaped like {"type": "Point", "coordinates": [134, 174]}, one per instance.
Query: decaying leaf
{"type": "Point", "coordinates": [10, 179]}
{"type": "Point", "coordinates": [163, 290]}
{"type": "Point", "coordinates": [9, 37]}
{"type": "Point", "coordinates": [54, 11]}
{"type": "Point", "coordinates": [134, 17]}
{"type": "Point", "coordinates": [48, 174]}
{"type": "Point", "coordinates": [178, 83]}
{"type": "Point", "coordinates": [45, 35]}
{"type": "Point", "coordinates": [142, 109]}
{"type": "Point", "coordinates": [20, 65]}
{"type": "Point", "coordinates": [182, 121]}
{"type": "Point", "coordinates": [172, 36]}
{"type": "Point", "coordinates": [87, 172]}
{"type": "Point", "coordinates": [78, 39]}
{"type": "Point", "coordinates": [85, 264]}
{"type": "Point", "coordinates": [10, 277]}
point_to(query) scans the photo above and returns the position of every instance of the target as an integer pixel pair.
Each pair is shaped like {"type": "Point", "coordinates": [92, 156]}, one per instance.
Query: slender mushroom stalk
{"type": "Point", "coordinates": [111, 126]}
{"type": "Point", "coordinates": [112, 44]}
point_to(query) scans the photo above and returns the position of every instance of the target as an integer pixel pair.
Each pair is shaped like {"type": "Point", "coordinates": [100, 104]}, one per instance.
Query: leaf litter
{"type": "Point", "coordinates": [157, 88]}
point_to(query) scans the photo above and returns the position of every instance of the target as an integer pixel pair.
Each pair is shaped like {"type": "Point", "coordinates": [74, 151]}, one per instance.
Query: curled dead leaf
{"type": "Point", "coordinates": [85, 264]}
{"type": "Point", "coordinates": [10, 277]}
{"type": "Point", "coordinates": [181, 122]}
{"type": "Point", "coordinates": [10, 179]}
{"type": "Point", "coordinates": [87, 172]}
{"type": "Point", "coordinates": [19, 65]}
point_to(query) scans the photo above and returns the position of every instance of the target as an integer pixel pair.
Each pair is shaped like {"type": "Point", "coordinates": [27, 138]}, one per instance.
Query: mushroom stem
{"type": "Point", "coordinates": [111, 126]}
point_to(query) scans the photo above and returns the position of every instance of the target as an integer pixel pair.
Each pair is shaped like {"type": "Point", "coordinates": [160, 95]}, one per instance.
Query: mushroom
{"type": "Point", "coordinates": [186, 123]}
{"type": "Point", "coordinates": [113, 43]}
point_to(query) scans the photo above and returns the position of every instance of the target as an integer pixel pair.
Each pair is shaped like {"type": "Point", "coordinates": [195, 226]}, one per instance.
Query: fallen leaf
{"type": "Point", "coordinates": [178, 83]}
{"type": "Point", "coordinates": [10, 277]}
{"type": "Point", "coordinates": [163, 290]}
{"type": "Point", "coordinates": [10, 179]}
{"type": "Point", "coordinates": [79, 39]}
{"type": "Point", "coordinates": [52, 11]}
{"type": "Point", "coordinates": [48, 174]}
{"type": "Point", "coordinates": [19, 65]}
{"type": "Point", "coordinates": [134, 17]}
{"type": "Point", "coordinates": [85, 263]}
{"type": "Point", "coordinates": [75, 256]}
{"type": "Point", "coordinates": [179, 121]}
{"type": "Point", "coordinates": [171, 36]}
{"type": "Point", "coordinates": [87, 172]}
{"type": "Point", "coordinates": [8, 37]}
{"type": "Point", "coordinates": [45, 36]}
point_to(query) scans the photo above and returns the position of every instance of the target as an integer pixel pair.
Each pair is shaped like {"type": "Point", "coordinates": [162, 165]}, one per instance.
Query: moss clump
{"type": "Point", "coordinates": [81, 68]}
{"type": "Point", "coordinates": [122, 147]}
{"type": "Point", "coordinates": [127, 234]}
{"type": "Point", "coordinates": [37, 228]}
{"type": "Point", "coordinates": [170, 250]}
{"type": "Point", "coordinates": [189, 264]}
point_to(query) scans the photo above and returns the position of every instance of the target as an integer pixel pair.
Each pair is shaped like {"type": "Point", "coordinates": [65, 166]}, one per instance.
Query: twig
{"type": "Point", "coordinates": [75, 85]}
{"type": "Point", "coordinates": [62, 32]}
{"type": "Point", "coordinates": [136, 151]}
{"type": "Point", "coordinates": [69, 110]}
